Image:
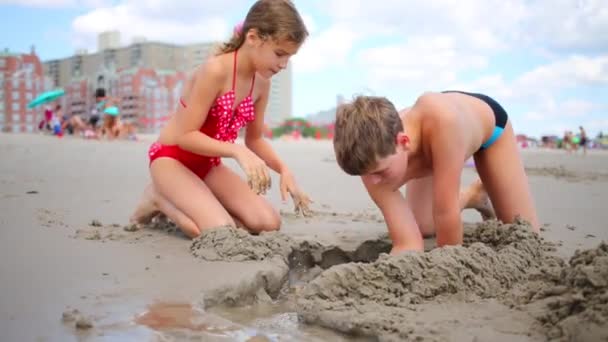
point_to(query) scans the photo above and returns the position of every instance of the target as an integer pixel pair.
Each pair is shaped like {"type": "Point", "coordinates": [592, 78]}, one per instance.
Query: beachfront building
{"type": "Point", "coordinates": [148, 96]}
{"type": "Point", "coordinates": [280, 106]}
{"type": "Point", "coordinates": [103, 69]}
{"type": "Point", "coordinates": [145, 96]}
{"type": "Point", "coordinates": [21, 80]}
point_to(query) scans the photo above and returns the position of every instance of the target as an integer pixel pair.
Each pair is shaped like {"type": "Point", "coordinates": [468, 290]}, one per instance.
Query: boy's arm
{"type": "Point", "coordinates": [400, 221]}
{"type": "Point", "coordinates": [448, 160]}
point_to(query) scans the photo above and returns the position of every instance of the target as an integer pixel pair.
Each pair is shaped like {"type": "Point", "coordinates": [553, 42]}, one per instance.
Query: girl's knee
{"type": "Point", "coordinates": [263, 220]}
{"type": "Point", "coordinates": [216, 222]}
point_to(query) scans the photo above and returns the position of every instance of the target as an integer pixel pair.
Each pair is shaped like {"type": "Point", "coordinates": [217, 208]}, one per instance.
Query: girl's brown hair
{"type": "Point", "coordinates": [276, 19]}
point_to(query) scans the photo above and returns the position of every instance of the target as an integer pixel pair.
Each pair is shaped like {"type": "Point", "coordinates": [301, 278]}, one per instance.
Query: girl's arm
{"type": "Point", "coordinates": [254, 139]}
{"type": "Point", "coordinates": [206, 87]}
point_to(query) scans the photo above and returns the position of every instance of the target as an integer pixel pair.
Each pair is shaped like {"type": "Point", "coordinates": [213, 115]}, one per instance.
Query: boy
{"type": "Point", "coordinates": [426, 147]}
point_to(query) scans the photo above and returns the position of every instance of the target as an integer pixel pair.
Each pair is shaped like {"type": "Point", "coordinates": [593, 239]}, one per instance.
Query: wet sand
{"type": "Point", "coordinates": [64, 205]}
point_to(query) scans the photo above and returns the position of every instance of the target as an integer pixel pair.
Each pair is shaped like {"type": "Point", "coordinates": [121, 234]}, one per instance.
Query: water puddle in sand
{"type": "Point", "coordinates": [277, 322]}
{"type": "Point", "coordinates": [165, 321]}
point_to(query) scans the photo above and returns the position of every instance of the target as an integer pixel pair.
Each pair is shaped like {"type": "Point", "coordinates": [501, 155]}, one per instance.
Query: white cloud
{"type": "Point", "coordinates": [572, 71]}
{"type": "Point", "coordinates": [597, 125]}
{"type": "Point", "coordinates": [170, 21]}
{"type": "Point", "coordinates": [330, 47]}
{"type": "Point", "coordinates": [550, 109]}
{"type": "Point", "coordinates": [472, 23]}
{"type": "Point", "coordinates": [487, 24]}
{"type": "Point", "coordinates": [54, 3]}
{"type": "Point", "coordinates": [310, 23]}
{"type": "Point", "coordinates": [569, 24]}
{"type": "Point", "coordinates": [544, 81]}
{"type": "Point", "coordinates": [427, 62]}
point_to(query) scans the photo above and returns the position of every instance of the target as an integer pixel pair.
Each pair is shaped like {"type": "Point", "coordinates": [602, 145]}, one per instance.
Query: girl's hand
{"type": "Point", "coordinates": [301, 201]}
{"type": "Point", "coordinates": [255, 169]}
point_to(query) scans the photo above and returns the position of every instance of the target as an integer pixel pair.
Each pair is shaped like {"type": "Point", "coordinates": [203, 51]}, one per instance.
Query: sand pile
{"type": "Point", "coordinates": [497, 261]}
{"type": "Point", "coordinates": [373, 299]}
{"type": "Point", "coordinates": [235, 244]}
{"type": "Point", "coordinates": [572, 304]}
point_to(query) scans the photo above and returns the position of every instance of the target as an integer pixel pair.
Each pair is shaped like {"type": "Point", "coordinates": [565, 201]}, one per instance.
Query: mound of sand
{"type": "Point", "coordinates": [235, 244]}
{"type": "Point", "coordinates": [572, 305]}
{"type": "Point", "coordinates": [372, 299]}
{"type": "Point", "coordinates": [497, 261]}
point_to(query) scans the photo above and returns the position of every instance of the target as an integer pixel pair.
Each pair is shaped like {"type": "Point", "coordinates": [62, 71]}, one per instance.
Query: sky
{"type": "Point", "coordinates": [545, 61]}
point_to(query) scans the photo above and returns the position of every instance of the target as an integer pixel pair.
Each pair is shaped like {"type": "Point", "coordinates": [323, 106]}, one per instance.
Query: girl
{"type": "Point", "coordinates": [190, 185]}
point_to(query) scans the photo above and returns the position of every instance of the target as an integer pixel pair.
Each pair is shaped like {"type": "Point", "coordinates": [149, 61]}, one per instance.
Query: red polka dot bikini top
{"type": "Point", "coordinates": [223, 123]}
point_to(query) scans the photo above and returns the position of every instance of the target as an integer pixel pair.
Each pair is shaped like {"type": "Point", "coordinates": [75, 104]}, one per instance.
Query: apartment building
{"type": "Point", "coordinates": [21, 80]}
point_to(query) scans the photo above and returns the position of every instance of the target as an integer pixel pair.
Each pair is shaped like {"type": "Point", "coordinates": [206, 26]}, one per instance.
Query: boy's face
{"type": "Point", "coordinates": [390, 170]}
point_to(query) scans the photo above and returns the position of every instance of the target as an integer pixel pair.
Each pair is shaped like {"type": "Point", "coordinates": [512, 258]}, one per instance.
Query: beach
{"type": "Point", "coordinates": [66, 245]}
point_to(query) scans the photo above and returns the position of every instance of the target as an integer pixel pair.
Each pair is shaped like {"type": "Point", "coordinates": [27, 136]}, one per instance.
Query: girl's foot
{"type": "Point", "coordinates": [146, 209]}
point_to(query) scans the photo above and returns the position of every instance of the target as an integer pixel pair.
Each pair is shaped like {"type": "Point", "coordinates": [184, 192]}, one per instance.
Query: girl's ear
{"type": "Point", "coordinates": [402, 139]}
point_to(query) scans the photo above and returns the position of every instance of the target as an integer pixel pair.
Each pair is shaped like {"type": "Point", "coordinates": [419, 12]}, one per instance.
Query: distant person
{"type": "Point", "coordinates": [56, 121]}
{"type": "Point", "coordinates": [100, 105]}
{"type": "Point", "coordinates": [190, 185]}
{"type": "Point", "coordinates": [425, 148]}
{"type": "Point", "coordinates": [583, 139]}
{"type": "Point", "coordinates": [45, 123]}
{"type": "Point", "coordinates": [567, 142]}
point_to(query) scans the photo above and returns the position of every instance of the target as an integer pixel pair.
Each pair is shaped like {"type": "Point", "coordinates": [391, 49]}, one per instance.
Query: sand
{"type": "Point", "coordinates": [69, 256]}
{"type": "Point", "coordinates": [232, 244]}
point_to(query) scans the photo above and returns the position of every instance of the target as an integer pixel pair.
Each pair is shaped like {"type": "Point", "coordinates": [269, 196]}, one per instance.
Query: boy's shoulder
{"type": "Point", "coordinates": [433, 107]}
{"type": "Point", "coordinates": [430, 101]}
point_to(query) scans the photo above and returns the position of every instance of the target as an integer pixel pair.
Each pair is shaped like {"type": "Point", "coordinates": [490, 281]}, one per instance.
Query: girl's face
{"type": "Point", "coordinates": [271, 56]}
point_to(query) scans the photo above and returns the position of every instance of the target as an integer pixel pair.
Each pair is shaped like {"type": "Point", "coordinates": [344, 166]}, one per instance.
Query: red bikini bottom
{"type": "Point", "coordinates": [199, 165]}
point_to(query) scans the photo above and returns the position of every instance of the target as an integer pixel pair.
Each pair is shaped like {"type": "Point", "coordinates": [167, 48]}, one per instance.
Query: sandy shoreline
{"type": "Point", "coordinates": [52, 189]}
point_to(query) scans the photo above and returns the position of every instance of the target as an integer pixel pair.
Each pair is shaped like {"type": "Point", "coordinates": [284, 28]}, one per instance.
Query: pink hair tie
{"type": "Point", "coordinates": [238, 28]}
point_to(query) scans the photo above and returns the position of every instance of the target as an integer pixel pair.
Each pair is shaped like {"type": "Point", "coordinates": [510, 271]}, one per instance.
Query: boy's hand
{"type": "Point", "coordinates": [301, 201]}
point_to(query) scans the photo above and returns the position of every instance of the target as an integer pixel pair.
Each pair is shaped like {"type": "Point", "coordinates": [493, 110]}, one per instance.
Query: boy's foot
{"type": "Point", "coordinates": [480, 201]}
{"type": "Point", "coordinates": [146, 209]}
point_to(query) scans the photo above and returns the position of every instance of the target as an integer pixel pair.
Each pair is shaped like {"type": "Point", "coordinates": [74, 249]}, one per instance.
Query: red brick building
{"type": "Point", "coordinates": [21, 80]}
{"type": "Point", "coordinates": [78, 98]}
{"type": "Point", "coordinates": [145, 96]}
{"type": "Point", "coordinates": [148, 96]}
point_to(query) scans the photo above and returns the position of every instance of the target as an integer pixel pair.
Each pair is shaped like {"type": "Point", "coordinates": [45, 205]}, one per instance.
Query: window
{"type": "Point", "coordinates": [15, 83]}
{"type": "Point", "coordinates": [28, 83]}
{"type": "Point", "coordinates": [1, 106]}
{"type": "Point", "coordinates": [16, 118]}
{"type": "Point", "coordinates": [16, 128]}
{"type": "Point", "coordinates": [29, 96]}
{"type": "Point", "coordinates": [15, 95]}
{"type": "Point", "coordinates": [1, 117]}
{"type": "Point", "coordinates": [30, 128]}
{"type": "Point", "coordinates": [16, 106]}
{"type": "Point", "coordinates": [29, 118]}
{"type": "Point", "coordinates": [2, 62]}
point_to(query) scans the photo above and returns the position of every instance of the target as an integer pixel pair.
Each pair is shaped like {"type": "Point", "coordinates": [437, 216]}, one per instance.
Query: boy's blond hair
{"type": "Point", "coordinates": [365, 130]}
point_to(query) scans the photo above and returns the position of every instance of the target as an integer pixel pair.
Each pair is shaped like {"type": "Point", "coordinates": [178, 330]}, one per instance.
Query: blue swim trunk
{"type": "Point", "coordinates": [500, 116]}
